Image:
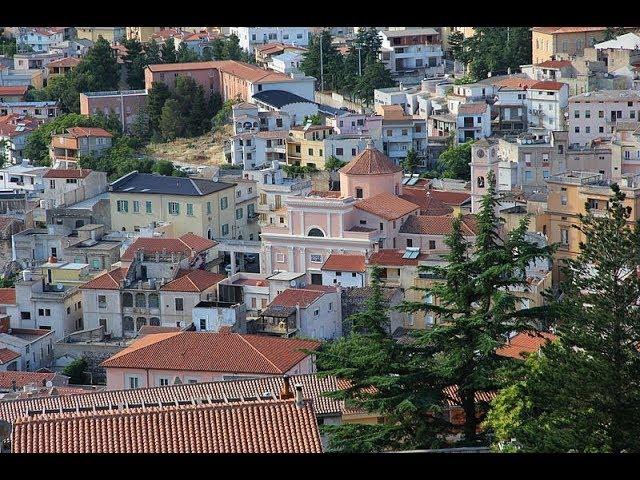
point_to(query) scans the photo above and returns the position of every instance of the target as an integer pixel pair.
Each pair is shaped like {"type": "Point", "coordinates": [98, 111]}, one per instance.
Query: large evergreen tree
{"type": "Point", "coordinates": [152, 53]}
{"type": "Point", "coordinates": [169, 51]}
{"type": "Point", "coordinates": [387, 378]}
{"type": "Point", "coordinates": [99, 69]}
{"type": "Point", "coordinates": [135, 61]}
{"type": "Point", "coordinates": [476, 310]}
{"type": "Point", "coordinates": [331, 61]}
{"type": "Point", "coordinates": [583, 394]}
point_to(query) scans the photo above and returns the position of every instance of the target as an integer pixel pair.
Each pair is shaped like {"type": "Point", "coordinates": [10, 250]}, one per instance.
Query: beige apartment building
{"type": "Point", "coordinates": [199, 206]}
{"type": "Point", "coordinates": [110, 34]}
{"type": "Point", "coordinates": [569, 192]}
{"type": "Point", "coordinates": [553, 43]}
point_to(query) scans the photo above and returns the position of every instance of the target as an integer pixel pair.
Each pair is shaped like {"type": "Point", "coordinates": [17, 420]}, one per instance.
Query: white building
{"type": "Point", "coordinates": [22, 178]}
{"type": "Point", "coordinates": [253, 150]}
{"type": "Point", "coordinates": [473, 121]}
{"type": "Point", "coordinates": [547, 104]}
{"type": "Point", "coordinates": [40, 38]}
{"type": "Point", "coordinates": [344, 270]}
{"type": "Point", "coordinates": [251, 36]}
{"type": "Point", "coordinates": [35, 347]}
{"type": "Point", "coordinates": [286, 62]}
{"type": "Point", "coordinates": [212, 316]}
{"type": "Point", "coordinates": [411, 51]}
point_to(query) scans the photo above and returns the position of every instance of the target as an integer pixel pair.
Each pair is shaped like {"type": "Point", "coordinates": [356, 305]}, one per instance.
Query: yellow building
{"type": "Point", "coordinates": [142, 34]}
{"type": "Point", "coordinates": [549, 43]}
{"type": "Point", "coordinates": [68, 274]}
{"type": "Point", "coordinates": [307, 147]}
{"type": "Point", "coordinates": [203, 207]}
{"type": "Point", "coordinates": [110, 34]}
{"type": "Point", "coordinates": [569, 192]}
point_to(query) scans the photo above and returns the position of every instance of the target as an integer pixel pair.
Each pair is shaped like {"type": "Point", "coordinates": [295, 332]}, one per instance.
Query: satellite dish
{"type": "Point", "coordinates": [5, 430]}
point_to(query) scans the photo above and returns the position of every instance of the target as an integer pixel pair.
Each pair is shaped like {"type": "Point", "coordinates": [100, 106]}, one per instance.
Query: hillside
{"type": "Point", "coordinates": [204, 150]}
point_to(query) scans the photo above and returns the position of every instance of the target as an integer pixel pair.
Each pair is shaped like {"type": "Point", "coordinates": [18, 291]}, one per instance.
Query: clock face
{"type": "Point", "coordinates": [480, 153]}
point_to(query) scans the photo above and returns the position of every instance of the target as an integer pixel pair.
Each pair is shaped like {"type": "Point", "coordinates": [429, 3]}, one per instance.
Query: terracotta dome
{"type": "Point", "coordinates": [370, 162]}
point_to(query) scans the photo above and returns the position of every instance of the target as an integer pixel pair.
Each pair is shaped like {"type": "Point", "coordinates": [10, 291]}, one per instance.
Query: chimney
{"type": "Point", "coordinates": [299, 399]}
{"type": "Point", "coordinates": [286, 393]}
{"type": "Point", "coordinates": [14, 386]}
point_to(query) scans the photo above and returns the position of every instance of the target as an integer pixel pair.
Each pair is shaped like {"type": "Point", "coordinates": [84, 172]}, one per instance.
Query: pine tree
{"type": "Point", "coordinates": [171, 125]}
{"type": "Point", "coordinates": [99, 69]}
{"type": "Point", "coordinates": [332, 61]}
{"type": "Point", "coordinates": [386, 378]}
{"type": "Point", "coordinates": [583, 393]}
{"type": "Point", "coordinates": [374, 75]}
{"type": "Point", "coordinates": [231, 49]}
{"type": "Point", "coordinates": [158, 95]}
{"type": "Point", "coordinates": [185, 54]}
{"type": "Point", "coordinates": [152, 53]}
{"type": "Point", "coordinates": [169, 51]}
{"type": "Point", "coordinates": [475, 309]}
{"type": "Point", "coordinates": [410, 163]}
{"type": "Point", "coordinates": [135, 62]}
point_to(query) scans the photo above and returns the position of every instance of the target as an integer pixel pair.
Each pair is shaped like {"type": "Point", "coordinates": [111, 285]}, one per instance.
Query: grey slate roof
{"type": "Point", "coordinates": [279, 98]}
{"type": "Point", "coordinates": [136, 182]}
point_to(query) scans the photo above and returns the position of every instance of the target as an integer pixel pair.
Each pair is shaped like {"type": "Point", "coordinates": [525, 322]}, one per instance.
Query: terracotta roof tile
{"type": "Point", "coordinates": [67, 173]}
{"type": "Point", "coordinates": [296, 296]}
{"type": "Point", "coordinates": [515, 82]}
{"type": "Point", "coordinates": [192, 281]}
{"type": "Point", "coordinates": [548, 85]}
{"type": "Point", "coordinates": [345, 263]}
{"type": "Point", "coordinates": [394, 258]}
{"type": "Point", "coordinates": [557, 30]}
{"type": "Point", "coordinates": [185, 244]}
{"type": "Point", "coordinates": [64, 62]}
{"type": "Point", "coordinates": [244, 71]}
{"type": "Point", "coordinates": [213, 352]}
{"type": "Point", "coordinates": [524, 343]}
{"type": "Point", "coordinates": [253, 427]}
{"type": "Point", "coordinates": [23, 378]}
{"type": "Point", "coordinates": [370, 161]}
{"type": "Point", "coordinates": [554, 64]}
{"type": "Point", "coordinates": [452, 399]}
{"type": "Point", "coordinates": [451, 198]}
{"type": "Point", "coordinates": [11, 91]}
{"type": "Point", "coordinates": [7, 356]}
{"type": "Point", "coordinates": [152, 329]}
{"type": "Point", "coordinates": [472, 108]}
{"type": "Point", "coordinates": [388, 206]}
{"type": "Point", "coordinates": [429, 204]}
{"type": "Point", "coordinates": [107, 281]}
{"type": "Point", "coordinates": [7, 296]}
{"type": "Point", "coordinates": [88, 132]}
{"type": "Point", "coordinates": [313, 387]}
{"type": "Point", "coordinates": [437, 225]}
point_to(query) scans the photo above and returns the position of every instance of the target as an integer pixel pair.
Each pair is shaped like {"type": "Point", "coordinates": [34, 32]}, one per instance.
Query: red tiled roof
{"type": "Point", "coordinates": [312, 388]}
{"type": "Point", "coordinates": [556, 30]}
{"type": "Point", "coordinates": [192, 281]}
{"type": "Point", "coordinates": [7, 356]}
{"type": "Point", "coordinates": [244, 71]}
{"type": "Point", "coordinates": [515, 82]}
{"type": "Point", "coordinates": [393, 258]}
{"type": "Point", "coordinates": [429, 204]}
{"type": "Point", "coordinates": [437, 225]}
{"type": "Point", "coordinates": [387, 205]}
{"type": "Point", "coordinates": [23, 378]}
{"type": "Point", "coordinates": [67, 173]}
{"type": "Point", "coordinates": [152, 329]}
{"type": "Point", "coordinates": [7, 296]}
{"type": "Point", "coordinates": [185, 244]}
{"type": "Point", "coordinates": [452, 399]}
{"type": "Point", "coordinates": [253, 427]}
{"type": "Point", "coordinates": [548, 85]}
{"type": "Point", "coordinates": [213, 352]}
{"type": "Point", "coordinates": [524, 343]}
{"type": "Point", "coordinates": [11, 91]}
{"type": "Point", "coordinates": [107, 281]}
{"type": "Point", "coordinates": [344, 263]}
{"type": "Point", "coordinates": [472, 108]}
{"type": "Point", "coordinates": [370, 161]}
{"type": "Point", "coordinates": [88, 132]}
{"type": "Point", "coordinates": [451, 198]}
{"type": "Point", "coordinates": [554, 64]}
{"type": "Point", "coordinates": [296, 296]}
{"type": "Point", "coordinates": [65, 62]}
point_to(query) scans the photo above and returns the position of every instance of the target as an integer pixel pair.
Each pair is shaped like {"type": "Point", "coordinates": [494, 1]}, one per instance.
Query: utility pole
{"type": "Point", "coordinates": [359, 60]}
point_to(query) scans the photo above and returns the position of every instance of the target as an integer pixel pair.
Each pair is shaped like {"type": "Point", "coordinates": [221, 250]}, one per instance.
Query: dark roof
{"type": "Point", "coordinates": [135, 182]}
{"type": "Point", "coordinates": [279, 98]}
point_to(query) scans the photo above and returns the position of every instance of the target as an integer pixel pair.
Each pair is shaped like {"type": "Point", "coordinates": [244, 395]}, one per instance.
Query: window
{"type": "Point", "coordinates": [224, 203]}
{"type": "Point", "coordinates": [225, 229]}
{"type": "Point", "coordinates": [280, 258]}
{"type": "Point", "coordinates": [404, 132]}
{"type": "Point", "coordinates": [428, 299]}
{"type": "Point", "coordinates": [564, 236]}
{"type": "Point", "coordinates": [122, 206]}
{"type": "Point", "coordinates": [311, 152]}
{"type": "Point", "coordinates": [148, 207]}
{"type": "Point", "coordinates": [600, 129]}
{"type": "Point", "coordinates": [102, 301]}
{"type": "Point", "coordinates": [239, 213]}
{"type": "Point", "coordinates": [359, 193]}
{"type": "Point", "coordinates": [600, 113]}
{"type": "Point", "coordinates": [133, 382]}
{"type": "Point", "coordinates": [480, 182]}
{"type": "Point", "coordinates": [316, 312]}
{"type": "Point", "coordinates": [315, 232]}
{"type": "Point", "coordinates": [190, 209]}
{"type": "Point", "coordinates": [52, 184]}
{"type": "Point", "coordinates": [587, 114]}
{"type": "Point", "coordinates": [381, 226]}
{"type": "Point", "coordinates": [163, 382]}
{"type": "Point", "coordinates": [389, 133]}
{"type": "Point", "coordinates": [432, 244]}
{"type": "Point", "coordinates": [563, 196]}
{"type": "Point", "coordinates": [409, 242]}
{"type": "Point", "coordinates": [545, 174]}
{"type": "Point", "coordinates": [174, 208]}
{"type": "Point", "coordinates": [528, 176]}
{"type": "Point", "coordinates": [632, 114]}
{"type": "Point", "coordinates": [576, 129]}
{"type": "Point", "coordinates": [576, 114]}
{"type": "Point", "coordinates": [68, 310]}
{"type": "Point", "coordinates": [136, 206]}
{"type": "Point", "coordinates": [316, 258]}
{"type": "Point", "coordinates": [179, 304]}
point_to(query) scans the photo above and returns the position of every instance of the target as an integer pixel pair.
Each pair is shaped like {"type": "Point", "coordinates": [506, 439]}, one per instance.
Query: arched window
{"type": "Point", "coordinates": [141, 300]}
{"type": "Point", "coordinates": [315, 232]}
{"type": "Point", "coordinates": [140, 322]}
{"type": "Point", "coordinates": [127, 300]}
{"type": "Point", "coordinates": [127, 324]}
{"type": "Point", "coordinates": [480, 182]}
{"type": "Point", "coordinates": [154, 321]}
{"type": "Point", "coordinates": [153, 300]}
